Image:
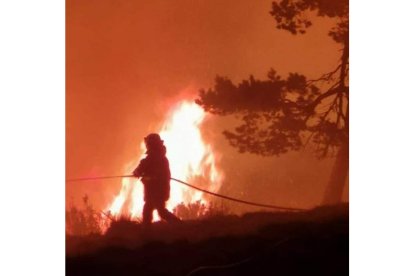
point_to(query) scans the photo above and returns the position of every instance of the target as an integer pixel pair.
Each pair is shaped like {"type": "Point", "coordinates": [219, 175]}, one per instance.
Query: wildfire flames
{"type": "Point", "coordinates": [191, 160]}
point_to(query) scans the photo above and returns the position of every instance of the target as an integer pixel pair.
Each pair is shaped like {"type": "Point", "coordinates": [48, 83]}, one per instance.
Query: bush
{"type": "Point", "coordinates": [198, 210]}
{"type": "Point", "coordinates": [85, 221]}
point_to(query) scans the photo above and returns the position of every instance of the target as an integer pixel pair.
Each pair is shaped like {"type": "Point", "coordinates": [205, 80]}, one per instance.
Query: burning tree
{"type": "Point", "coordinates": [284, 114]}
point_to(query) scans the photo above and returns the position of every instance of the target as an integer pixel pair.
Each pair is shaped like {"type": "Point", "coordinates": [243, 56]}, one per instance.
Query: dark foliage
{"type": "Point", "coordinates": [290, 15]}
{"type": "Point", "coordinates": [282, 114]}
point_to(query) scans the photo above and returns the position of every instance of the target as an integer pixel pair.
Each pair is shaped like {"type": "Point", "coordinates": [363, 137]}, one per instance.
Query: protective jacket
{"type": "Point", "coordinates": [155, 172]}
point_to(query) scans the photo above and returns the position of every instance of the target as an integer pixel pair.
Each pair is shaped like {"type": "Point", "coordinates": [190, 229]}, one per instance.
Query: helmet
{"type": "Point", "coordinates": [153, 139]}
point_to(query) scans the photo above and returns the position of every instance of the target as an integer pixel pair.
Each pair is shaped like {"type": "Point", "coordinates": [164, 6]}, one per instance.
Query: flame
{"type": "Point", "coordinates": [191, 160]}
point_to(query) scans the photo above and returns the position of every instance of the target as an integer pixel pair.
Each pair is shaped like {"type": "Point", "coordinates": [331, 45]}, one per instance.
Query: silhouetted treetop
{"type": "Point", "coordinates": [281, 114]}
{"type": "Point", "coordinates": [273, 94]}
{"type": "Point", "coordinates": [273, 112]}
{"type": "Point", "coordinates": [290, 15]}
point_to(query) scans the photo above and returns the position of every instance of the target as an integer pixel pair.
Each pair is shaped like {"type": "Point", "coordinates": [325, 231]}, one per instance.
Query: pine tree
{"type": "Point", "coordinates": [285, 114]}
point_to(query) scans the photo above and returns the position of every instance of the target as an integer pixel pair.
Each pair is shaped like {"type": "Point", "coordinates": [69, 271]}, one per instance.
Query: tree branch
{"type": "Point", "coordinates": [327, 76]}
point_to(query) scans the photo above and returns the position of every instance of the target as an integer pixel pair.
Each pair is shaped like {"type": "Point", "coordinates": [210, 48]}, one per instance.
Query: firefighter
{"type": "Point", "coordinates": [154, 171]}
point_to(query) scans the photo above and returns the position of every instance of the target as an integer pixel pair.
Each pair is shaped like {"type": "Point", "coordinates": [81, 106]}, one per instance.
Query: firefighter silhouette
{"type": "Point", "coordinates": [155, 174]}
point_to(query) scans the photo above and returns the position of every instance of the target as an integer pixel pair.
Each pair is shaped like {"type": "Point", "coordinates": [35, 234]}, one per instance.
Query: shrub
{"type": "Point", "coordinates": [85, 221]}
{"type": "Point", "coordinates": [199, 210]}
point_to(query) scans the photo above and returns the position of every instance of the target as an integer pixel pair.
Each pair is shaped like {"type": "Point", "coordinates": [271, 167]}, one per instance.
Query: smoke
{"type": "Point", "coordinates": [296, 179]}
{"type": "Point", "coordinates": [129, 60]}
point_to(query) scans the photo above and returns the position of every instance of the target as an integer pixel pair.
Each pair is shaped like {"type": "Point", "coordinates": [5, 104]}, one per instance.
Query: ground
{"type": "Point", "coordinates": [314, 242]}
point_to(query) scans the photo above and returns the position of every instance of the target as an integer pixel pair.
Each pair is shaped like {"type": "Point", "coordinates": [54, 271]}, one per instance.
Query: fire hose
{"type": "Point", "coordinates": [196, 188]}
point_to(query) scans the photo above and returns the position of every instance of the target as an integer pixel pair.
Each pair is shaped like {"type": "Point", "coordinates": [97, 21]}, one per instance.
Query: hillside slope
{"type": "Point", "coordinates": [307, 243]}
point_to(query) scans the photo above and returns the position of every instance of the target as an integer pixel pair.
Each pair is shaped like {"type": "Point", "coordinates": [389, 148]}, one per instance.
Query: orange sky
{"type": "Point", "coordinates": [125, 60]}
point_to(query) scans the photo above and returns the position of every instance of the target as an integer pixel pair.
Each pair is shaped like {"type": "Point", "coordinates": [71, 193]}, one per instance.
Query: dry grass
{"type": "Point", "coordinates": [317, 239]}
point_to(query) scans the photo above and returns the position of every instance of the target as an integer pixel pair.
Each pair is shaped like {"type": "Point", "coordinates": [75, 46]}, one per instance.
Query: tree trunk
{"type": "Point", "coordinates": [336, 185]}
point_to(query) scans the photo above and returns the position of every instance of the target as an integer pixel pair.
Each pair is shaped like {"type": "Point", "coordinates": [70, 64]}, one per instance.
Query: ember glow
{"type": "Point", "coordinates": [191, 160]}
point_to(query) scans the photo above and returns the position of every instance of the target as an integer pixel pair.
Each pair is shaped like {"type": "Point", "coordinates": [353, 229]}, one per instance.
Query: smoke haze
{"type": "Point", "coordinates": [127, 61]}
